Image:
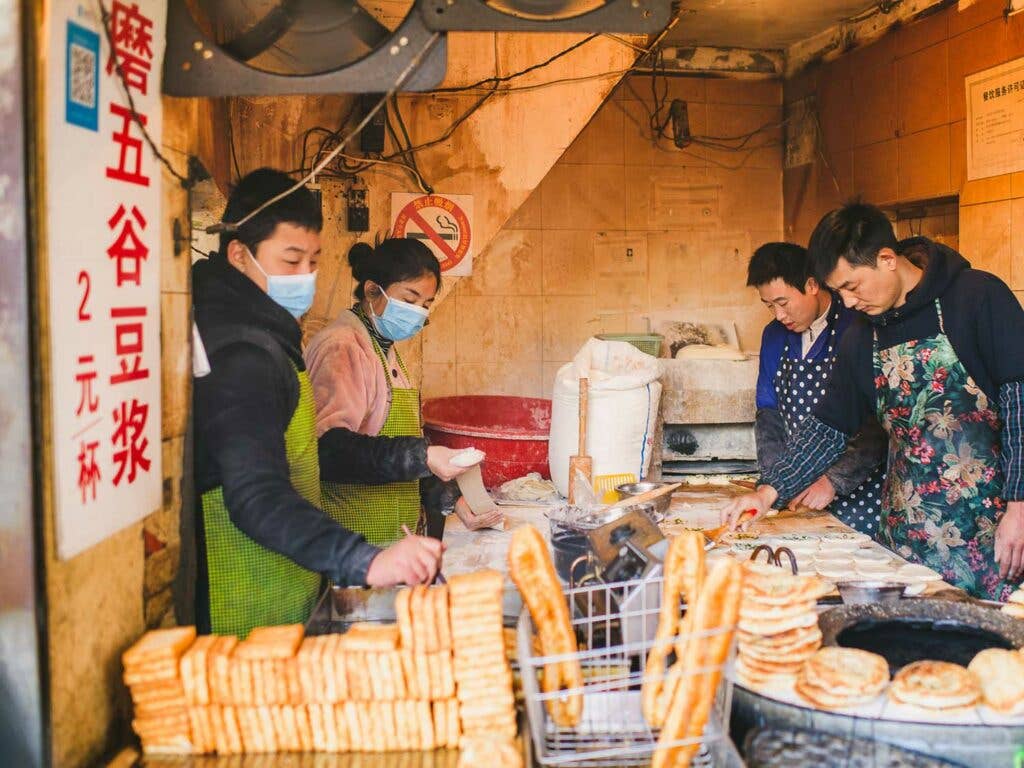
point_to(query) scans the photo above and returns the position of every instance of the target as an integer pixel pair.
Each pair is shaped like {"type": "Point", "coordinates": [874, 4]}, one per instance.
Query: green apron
{"type": "Point", "coordinates": [379, 511]}
{"type": "Point", "coordinates": [251, 586]}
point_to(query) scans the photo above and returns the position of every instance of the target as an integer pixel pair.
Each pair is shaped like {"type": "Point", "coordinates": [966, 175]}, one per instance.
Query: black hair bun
{"type": "Point", "coordinates": [359, 257]}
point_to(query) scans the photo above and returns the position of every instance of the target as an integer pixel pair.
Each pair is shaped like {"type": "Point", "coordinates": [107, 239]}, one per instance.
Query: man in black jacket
{"type": "Point", "coordinates": [263, 543]}
{"type": "Point", "coordinates": [938, 355]}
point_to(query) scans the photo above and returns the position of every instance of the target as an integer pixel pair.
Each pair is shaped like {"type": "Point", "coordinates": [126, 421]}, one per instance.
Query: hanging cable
{"type": "Point", "coordinates": [225, 226]}
{"type": "Point", "coordinates": [106, 23]}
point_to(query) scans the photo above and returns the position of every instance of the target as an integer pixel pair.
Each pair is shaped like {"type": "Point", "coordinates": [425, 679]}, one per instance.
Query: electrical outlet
{"type": "Point", "coordinates": [358, 211]}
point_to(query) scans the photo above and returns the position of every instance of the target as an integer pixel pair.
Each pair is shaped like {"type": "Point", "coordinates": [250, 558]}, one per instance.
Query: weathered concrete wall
{"type": "Point", "coordinates": [892, 117]}
{"type": "Point", "coordinates": [498, 155]}
{"type": "Point", "coordinates": [619, 229]}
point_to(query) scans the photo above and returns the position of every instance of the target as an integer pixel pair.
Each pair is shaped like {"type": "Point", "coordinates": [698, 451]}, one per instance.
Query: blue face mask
{"type": "Point", "coordinates": [292, 292]}
{"type": "Point", "coordinates": [400, 319]}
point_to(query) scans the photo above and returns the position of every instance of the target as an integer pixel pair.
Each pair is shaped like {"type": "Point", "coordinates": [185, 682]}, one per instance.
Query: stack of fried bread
{"type": "Point", "coordinates": [151, 673]}
{"type": "Point", "coordinates": [778, 624]}
{"type": "Point", "coordinates": [483, 676]}
{"type": "Point", "coordinates": [935, 685]}
{"type": "Point", "coordinates": [1014, 605]}
{"type": "Point", "coordinates": [1000, 675]}
{"type": "Point", "coordinates": [375, 688]}
{"type": "Point", "coordinates": [839, 678]}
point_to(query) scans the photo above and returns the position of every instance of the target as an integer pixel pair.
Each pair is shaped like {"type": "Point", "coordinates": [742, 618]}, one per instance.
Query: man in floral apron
{"type": "Point", "coordinates": [798, 352]}
{"type": "Point", "coordinates": [939, 357]}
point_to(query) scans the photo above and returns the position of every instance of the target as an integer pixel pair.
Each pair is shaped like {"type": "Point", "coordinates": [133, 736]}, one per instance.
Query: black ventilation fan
{"type": "Point", "coordinates": [265, 47]}
{"type": "Point", "coordinates": [638, 16]}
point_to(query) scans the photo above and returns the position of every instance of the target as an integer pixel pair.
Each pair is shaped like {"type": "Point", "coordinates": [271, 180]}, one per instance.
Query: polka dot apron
{"type": "Point", "coordinates": [799, 385]}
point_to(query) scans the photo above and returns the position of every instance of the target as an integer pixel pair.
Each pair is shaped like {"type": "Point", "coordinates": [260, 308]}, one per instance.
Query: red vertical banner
{"type": "Point", "coordinates": [104, 207]}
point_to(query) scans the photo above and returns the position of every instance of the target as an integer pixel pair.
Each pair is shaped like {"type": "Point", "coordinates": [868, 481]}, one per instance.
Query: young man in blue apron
{"type": "Point", "coordinates": [263, 542]}
{"type": "Point", "coordinates": [938, 356]}
{"type": "Point", "coordinates": [798, 352]}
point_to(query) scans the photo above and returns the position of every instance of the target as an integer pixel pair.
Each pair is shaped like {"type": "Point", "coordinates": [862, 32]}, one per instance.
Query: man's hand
{"type": "Point", "coordinates": [1010, 542]}
{"type": "Point", "coordinates": [439, 462]}
{"type": "Point", "coordinates": [490, 519]}
{"type": "Point", "coordinates": [760, 501]}
{"type": "Point", "coordinates": [411, 560]}
{"type": "Point", "coordinates": [817, 495]}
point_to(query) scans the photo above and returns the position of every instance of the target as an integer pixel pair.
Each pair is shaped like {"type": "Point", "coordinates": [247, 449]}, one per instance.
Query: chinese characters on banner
{"type": "Point", "coordinates": [995, 120]}
{"type": "Point", "coordinates": [103, 222]}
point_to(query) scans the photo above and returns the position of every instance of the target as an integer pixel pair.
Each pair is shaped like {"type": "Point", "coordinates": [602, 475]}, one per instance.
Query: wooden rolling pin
{"type": "Point", "coordinates": [646, 496]}
{"type": "Point", "coordinates": [581, 463]}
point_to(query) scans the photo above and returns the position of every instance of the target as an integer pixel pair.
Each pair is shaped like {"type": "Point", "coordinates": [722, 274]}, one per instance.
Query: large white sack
{"type": "Point", "coordinates": [621, 417]}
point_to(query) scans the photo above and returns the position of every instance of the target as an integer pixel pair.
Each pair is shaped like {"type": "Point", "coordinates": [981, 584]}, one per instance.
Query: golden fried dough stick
{"type": "Point", "coordinates": [534, 574]}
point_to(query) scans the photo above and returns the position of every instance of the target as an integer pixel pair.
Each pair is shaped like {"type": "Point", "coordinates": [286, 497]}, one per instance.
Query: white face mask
{"type": "Point", "coordinates": [292, 292]}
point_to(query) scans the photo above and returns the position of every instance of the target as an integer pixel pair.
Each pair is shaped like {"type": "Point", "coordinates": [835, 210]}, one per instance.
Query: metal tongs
{"type": "Point", "coordinates": [774, 556]}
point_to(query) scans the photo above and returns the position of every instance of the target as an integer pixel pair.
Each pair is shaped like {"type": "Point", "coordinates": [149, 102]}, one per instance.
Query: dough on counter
{"type": "Point", "coordinates": [531, 487]}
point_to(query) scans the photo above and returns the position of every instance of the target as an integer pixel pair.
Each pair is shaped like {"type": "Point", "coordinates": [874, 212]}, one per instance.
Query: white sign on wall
{"type": "Point", "coordinates": [103, 223]}
{"type": "Point", "coordinates": [995, 120]}
{"type": "Point", "coordinates": [443, 222]}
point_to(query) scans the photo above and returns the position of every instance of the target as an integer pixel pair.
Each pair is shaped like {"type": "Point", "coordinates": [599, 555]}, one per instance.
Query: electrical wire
{"type": "Point", "coordinates": [231, 147]}
{"type": "Point", "coordinates": [498, 80]}
{"type": "Point", "coordinates": [105, 22]}
{"type": "Point", "coordinates": [404, 156]}
{"type": "Point", "coordinates": [413, 63]}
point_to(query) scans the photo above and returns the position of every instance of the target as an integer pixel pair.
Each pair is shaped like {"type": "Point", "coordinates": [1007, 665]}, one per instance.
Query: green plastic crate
{"type": "Point", "coordinates": [649, 343]}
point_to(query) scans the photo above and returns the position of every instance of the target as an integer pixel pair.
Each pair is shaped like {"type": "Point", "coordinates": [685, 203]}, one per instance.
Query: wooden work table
{"type": "Point", "coordinates": [693, 506]}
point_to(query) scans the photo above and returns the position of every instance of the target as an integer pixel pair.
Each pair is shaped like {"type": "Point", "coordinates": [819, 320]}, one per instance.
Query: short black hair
{"type": "Point", "coordinates": [300, 208]}
{"type": "Point", "coordinates": [393, 260]}
{"type": "Point", "coordinates": [856, 232]}
{"type": "Point", "coordinates": [779, 260]}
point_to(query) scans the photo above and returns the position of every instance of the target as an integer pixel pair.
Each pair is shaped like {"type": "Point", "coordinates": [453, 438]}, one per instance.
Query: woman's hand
{"type": "Point", "coordinates": [817, 495]}
{"type": "Point", "coordinates": [411, 560]}
{"type": "Point", "coordinates": [439, 462]}
{"type": "Point", "coordinates": [758, 502]}
{"type": "Point", "coordinates": [491, 519]}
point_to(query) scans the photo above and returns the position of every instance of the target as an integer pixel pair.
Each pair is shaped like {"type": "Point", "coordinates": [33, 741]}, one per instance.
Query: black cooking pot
{"type": "Point", "coordinates": [913, 630]}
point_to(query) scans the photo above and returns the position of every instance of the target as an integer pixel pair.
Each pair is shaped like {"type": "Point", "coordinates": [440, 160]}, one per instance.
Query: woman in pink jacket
{"type": "Point", "coordinates": [361, 386]}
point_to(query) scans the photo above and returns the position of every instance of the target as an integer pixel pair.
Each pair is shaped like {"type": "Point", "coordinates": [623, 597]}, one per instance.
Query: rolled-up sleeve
{"type": "Point", "coordinates": [864, 453]}
{"type": "Point", "coordinates": [812, 449]}
{"type": "Point", "coordinates": [1011, 402]}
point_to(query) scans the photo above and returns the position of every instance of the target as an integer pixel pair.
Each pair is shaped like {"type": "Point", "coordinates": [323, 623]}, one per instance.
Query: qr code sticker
{"type": "Point", "coordinates": [83, 76]}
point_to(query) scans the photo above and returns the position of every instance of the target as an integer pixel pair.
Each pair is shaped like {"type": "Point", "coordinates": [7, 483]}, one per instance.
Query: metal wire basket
{"type": "Point", "coordinates": [615, 624]}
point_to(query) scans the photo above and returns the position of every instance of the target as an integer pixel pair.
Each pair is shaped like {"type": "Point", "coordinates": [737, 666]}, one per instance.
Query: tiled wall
{"type": "Point", "coordinates": [619, 228]}
{"type": "Point", "coordinates": [893, 124]}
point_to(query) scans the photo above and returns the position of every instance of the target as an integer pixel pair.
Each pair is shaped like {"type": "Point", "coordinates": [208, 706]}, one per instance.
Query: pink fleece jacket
{"type": "Point", "coordinates": [349, 383]}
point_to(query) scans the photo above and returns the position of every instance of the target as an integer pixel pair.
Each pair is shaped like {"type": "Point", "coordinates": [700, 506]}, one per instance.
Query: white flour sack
{"type": "Point", "coordinates": [621, 417]}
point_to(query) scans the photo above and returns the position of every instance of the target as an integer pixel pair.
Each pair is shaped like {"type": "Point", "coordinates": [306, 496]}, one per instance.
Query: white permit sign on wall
{"type": "Point", "coordinates": [443, 222]}
{"type": "Point", "coordinates": [103, 220]}
{"type": "Point", "coordinates": [995, 120]}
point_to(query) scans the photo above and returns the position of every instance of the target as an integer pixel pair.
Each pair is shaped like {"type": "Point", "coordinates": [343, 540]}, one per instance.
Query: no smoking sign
{"type": "Point", "coordinates": [442, 222]}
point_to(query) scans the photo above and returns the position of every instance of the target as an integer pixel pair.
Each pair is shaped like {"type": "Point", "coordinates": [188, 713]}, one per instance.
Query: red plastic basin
{"type": "Point", "coordinates": [512, 431]}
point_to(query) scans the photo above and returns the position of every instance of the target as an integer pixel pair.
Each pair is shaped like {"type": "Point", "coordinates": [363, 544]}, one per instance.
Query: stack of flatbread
{"type": "Point", "coordinates": [839, 678]}
{"type": "Point", "coordinates": [936, 685]}
{"type": "Point", "coordinates": [1015, 604]}
{"type": "Point", "coordinates": [375, 688]}
{"type": "Point", "coordinates": [1000, 675]}
{"type": "Point", "coordinates": [483, 676]}
{"type": "Point", "coordinates": [778, 624]}
{"type": "Point", "coordinates": [151, 673]}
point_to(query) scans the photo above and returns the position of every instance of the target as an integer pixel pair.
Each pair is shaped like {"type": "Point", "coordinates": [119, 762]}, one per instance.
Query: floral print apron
{"type": "Point", "coordinates": [941, 501]}
{"type": "Point", "coordinates": [799, 384]}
